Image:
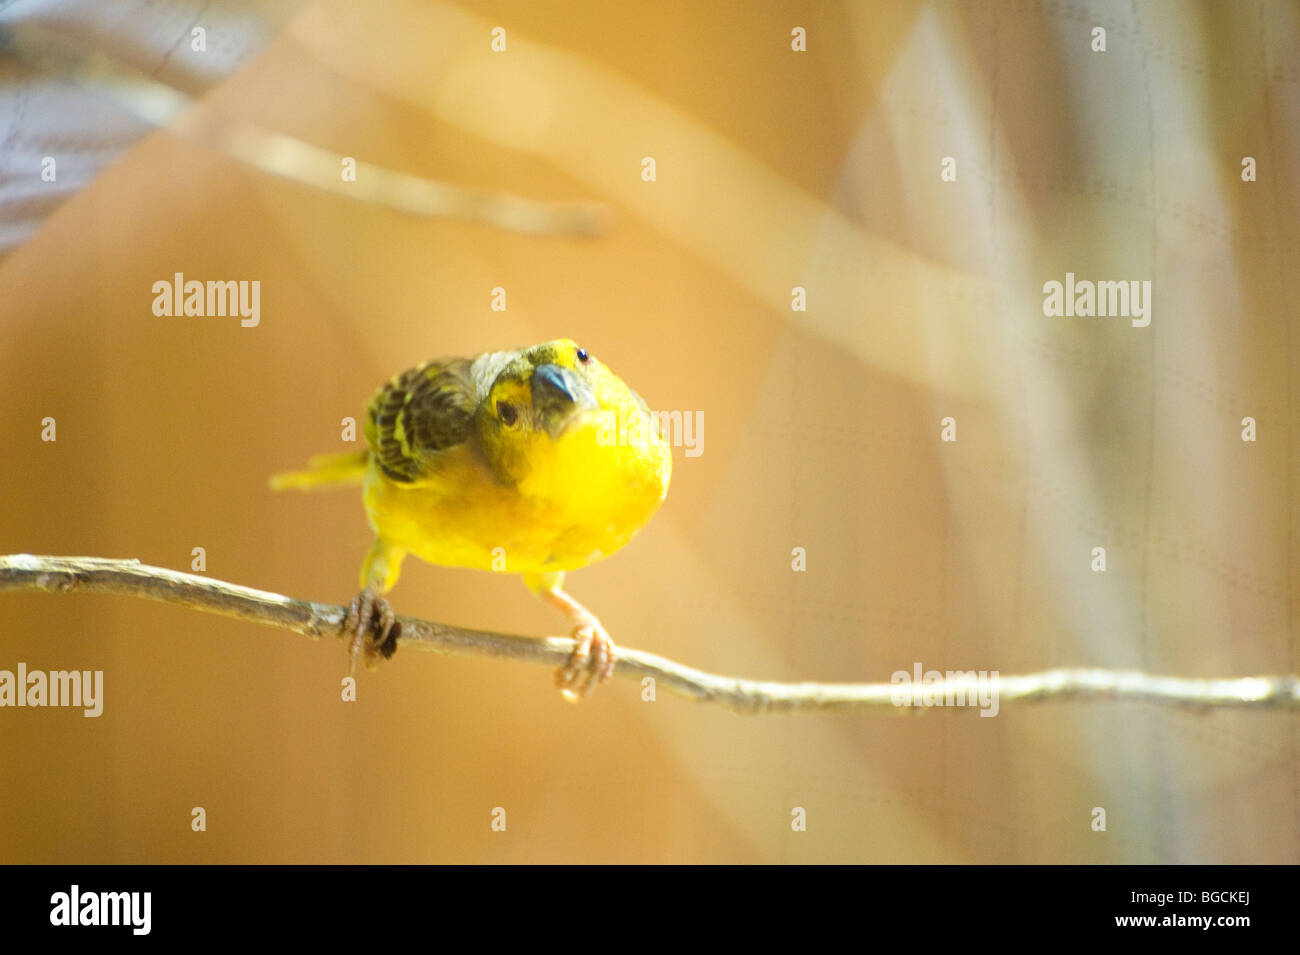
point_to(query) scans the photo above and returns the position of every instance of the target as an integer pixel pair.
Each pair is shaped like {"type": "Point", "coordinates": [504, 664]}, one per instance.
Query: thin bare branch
{"type": "Point", "coordinates": [131, 578]}
{"type": "Point", "coordinates": [54, 53]}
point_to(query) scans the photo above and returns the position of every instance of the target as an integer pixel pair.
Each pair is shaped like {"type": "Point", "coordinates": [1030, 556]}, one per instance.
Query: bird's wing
{"type": "Point", "coordinates": [420, 413]}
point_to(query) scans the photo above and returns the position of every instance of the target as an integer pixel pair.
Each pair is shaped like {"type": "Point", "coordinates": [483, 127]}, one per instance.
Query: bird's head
{"type": "Point", "coordinates": [550, 409]}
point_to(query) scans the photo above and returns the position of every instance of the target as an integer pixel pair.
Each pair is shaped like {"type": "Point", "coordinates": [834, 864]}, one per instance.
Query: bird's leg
{"type": "Point", "coordinates": [370, 623]}
{"type": "Point", "coordinates": [592, 661]}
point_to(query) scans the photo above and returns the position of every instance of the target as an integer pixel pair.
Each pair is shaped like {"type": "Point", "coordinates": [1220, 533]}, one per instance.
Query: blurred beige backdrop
{"type": "Point", "coordinates": [775, 169]}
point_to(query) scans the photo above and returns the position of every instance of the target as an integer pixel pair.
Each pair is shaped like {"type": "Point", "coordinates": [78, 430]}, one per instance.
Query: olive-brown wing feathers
{"type": "Point", "coordinates": [421, 412]}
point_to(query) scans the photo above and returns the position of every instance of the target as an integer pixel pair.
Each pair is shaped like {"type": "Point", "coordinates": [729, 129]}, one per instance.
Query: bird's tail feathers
{"type": "Point", "coordinates": [324, 471]}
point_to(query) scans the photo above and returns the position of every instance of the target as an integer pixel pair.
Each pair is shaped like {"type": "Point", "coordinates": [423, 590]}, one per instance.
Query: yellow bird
{"type": "Point", "coordinates": [534, 461]}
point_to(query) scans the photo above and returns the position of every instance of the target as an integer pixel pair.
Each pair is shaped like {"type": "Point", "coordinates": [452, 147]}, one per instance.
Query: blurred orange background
{"type": "Point", "coordinates": [775, 169]}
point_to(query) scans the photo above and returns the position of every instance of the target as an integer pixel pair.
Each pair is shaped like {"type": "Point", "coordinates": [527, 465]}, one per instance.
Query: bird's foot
{"type": "Point", "coordinates": [372, 629]}
{"type": "Point", "coordinates": [591, 663]}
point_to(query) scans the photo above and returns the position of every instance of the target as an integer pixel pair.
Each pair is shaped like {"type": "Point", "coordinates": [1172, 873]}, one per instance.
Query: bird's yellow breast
{"type": "Point", "coordinates": [580, 499]}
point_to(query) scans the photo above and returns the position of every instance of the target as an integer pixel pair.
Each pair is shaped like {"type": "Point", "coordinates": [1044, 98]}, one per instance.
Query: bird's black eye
{"type": "Point", "coordinates": [507, 413]}
{"type": "Point", "coordinates": [583, 356]}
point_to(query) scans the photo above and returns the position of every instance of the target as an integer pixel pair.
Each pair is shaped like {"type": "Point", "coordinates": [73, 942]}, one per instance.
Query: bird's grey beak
{"type": "Point", "coordinates": [558, 396]}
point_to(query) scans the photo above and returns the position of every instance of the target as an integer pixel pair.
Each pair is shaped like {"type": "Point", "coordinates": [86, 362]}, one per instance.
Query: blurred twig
{"type": "Point", "coordinates": [134, 579]}
{"type": "Point", "coordinates": [53, 53]}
